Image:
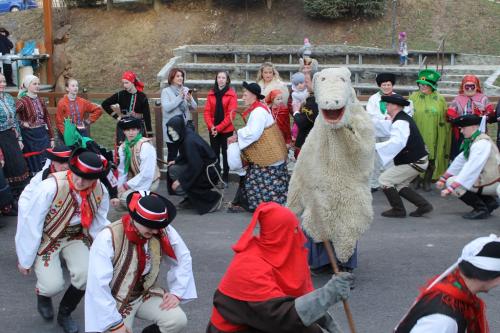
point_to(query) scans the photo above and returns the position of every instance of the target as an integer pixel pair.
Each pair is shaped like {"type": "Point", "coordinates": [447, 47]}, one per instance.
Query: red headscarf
{"type": "Point", "coordinates": [470, 78]}
{"type": "Point", "coordinates": [130, 76]}
{"type": "Point", "coordinates": [271, 265]}
{"type": "Point", "coordinates": [272, 94]}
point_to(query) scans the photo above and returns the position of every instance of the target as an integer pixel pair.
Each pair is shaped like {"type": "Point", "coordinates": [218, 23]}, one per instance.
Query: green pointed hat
{"type": "Point", "coordinates": [429, 77]}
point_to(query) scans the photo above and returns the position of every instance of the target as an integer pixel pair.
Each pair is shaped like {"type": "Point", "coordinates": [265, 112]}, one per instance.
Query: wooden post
{"type": "Point", "coordinates": [47, 23]}
{"type": "Point", "coordinates": [109, 4]}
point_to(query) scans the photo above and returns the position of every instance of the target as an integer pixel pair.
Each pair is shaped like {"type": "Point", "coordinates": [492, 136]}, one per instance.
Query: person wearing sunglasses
{"type": "Point", "coordinates": [470, 100]}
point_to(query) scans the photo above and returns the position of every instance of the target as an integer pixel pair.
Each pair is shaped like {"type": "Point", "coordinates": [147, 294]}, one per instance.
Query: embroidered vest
{"type": "Point", "coordinates": [491, 171]}
{"type": "Point", "coordinates": [125, 266]}
{"type": "Point", "coordinates": [62, 209]}
{"type": "Point", "coordinates": [135, 162]}
{"type": "Point", "coordinates": [415, 146]}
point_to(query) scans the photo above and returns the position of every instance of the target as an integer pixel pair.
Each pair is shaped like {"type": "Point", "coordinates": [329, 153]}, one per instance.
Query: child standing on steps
{"type": "Point", "coordinates": [403, 49]}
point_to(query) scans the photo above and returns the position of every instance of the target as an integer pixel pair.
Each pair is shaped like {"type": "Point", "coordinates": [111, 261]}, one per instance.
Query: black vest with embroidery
{"type": "Point", "coordinates": [427, 307]}
{"type": "Point", "coordinates": [415, 146]}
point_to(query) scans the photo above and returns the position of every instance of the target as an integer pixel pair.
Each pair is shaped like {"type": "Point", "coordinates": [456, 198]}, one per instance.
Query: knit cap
{"type": "Point", "coordinates": [298, 78]}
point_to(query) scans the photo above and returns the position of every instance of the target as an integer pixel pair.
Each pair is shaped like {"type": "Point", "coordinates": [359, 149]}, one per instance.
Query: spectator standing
{"type": "Point", "coordinates": [220, 109]}
{"type": "Point", "coordinates": [430, 116]}
{"type": "Point", "coordinates": [36, 129]}
{"type": "Point", "coordinates": [131, 101]}
{"type": "Point", "coordinates": [403, 48]}
{"type": "Point", "coordinates": [5, 47]}
{"type": "Point", "coordinates": [176, 99]}
{"type": "Point", "coordinates": [14, 168]}
{"type": "Point", "coordinates": [470, 100]}
{"type": "Point", "coordinates": [76, 109]}
{"type": "Point", "coordinates": [269, 79]}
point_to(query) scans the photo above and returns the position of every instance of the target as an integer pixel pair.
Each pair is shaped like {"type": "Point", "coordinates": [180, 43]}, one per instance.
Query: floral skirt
{"type": "Point", "coordinates": [263, 184]}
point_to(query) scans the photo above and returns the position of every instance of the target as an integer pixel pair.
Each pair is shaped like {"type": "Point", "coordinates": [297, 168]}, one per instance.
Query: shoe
{"type": "Point", "coordinates": [69, 302]}
{"type": "Point", "coordinates": [423, 206]}
{"type": "Point", "coordinates": [476, 215]}
{"type": "Point", "coordinates": [151, 329]}
{"type": "Point", "coordinates": [235, 209]}
{"type": "Point", "coordinates": [491, 202]}
{"type": "Point", "coordinates": [374, 189]}
{"type": "Point", "coordinates": [398, 209]}
{"type": "Point", "coordinates": [45, 308]}
{"type": "Point", "coordinates": [67, 323]}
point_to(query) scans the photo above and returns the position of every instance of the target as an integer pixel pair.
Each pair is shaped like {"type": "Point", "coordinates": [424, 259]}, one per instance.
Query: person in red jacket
{"type": "Point", "coordinates": [280, 112]}
{"type": "Point", "coordinates": [220, 108]}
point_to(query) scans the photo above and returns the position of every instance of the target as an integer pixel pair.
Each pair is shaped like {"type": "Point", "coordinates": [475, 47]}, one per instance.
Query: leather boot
{"type": "Point", "coordinates": [490, 201]}
{"type": "Point", "coordinates": [398, 209]}
{"type": "Point", "coordinates": [69, 302]}
{"type": "Point", "coordinates": [313, 306]}
{"type": "Point", "coordinates": [480, 210]}
{"type": "Point", "coordinates": [427, 182]}
{"type": "Point", "coordinates": [151, 329]}
{"type": "Point", "coordinates": [423, 206]}
{"type": "Point", "coordinates": [45, 308]}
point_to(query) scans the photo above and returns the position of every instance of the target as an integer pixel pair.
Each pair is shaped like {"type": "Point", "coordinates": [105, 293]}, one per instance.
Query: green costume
{"type": "Point", "coordinates": [430, 117]}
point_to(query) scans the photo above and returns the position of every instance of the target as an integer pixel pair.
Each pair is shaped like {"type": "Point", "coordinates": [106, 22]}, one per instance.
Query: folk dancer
{"type": "Point", "coordinates": [407, 150]}
{"type": "Point", "coordinates": [65, 213]}
{"type": "Point", "coordinates": [124, 267]}
{"type": "Point", "coordinates": [137, 170]}
{"type": "Point", "coordinates": [474, 174]}
{"type": "Point", "coordinates": [449, 304]}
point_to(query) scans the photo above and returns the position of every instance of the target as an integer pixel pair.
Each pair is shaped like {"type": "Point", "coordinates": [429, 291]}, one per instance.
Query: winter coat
{"type": "Point", "coordinates": [230, 104]}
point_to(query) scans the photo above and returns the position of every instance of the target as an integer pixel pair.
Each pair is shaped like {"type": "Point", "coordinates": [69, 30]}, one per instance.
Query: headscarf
{"type": "Point", "coordinates": [25, 84]}
{"type": "Point", "coordinates": [470, 78]}
{"type": "Point", "coordinates": [272, 94]}
{"type": "Point", "coordinates": [272, 264]}
{"type": "Point", "coordinates": [132, 77]}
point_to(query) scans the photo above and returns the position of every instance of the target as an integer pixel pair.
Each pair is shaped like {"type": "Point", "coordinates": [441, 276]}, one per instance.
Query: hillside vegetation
{"type": "Point", "coordinates": [104, 43]}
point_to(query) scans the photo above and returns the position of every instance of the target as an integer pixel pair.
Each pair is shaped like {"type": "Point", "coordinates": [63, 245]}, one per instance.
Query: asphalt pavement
{"type": "Point", "coordinates": [396, 257]}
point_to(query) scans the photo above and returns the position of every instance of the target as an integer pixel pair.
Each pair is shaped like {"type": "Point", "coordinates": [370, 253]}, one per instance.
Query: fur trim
{"type": "Point", "coordinates": [329, 186]}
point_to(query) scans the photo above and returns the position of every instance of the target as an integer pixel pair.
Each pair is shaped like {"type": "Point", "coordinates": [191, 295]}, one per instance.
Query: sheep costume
{"type": "Point", "coordinates": [328, 189]}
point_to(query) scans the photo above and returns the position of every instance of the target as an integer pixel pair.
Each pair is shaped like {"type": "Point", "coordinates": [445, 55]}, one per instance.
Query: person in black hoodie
{"type": "Point", "coordinates": [5, 47]}
{"type": "Point", "coordinates": [193, 172]}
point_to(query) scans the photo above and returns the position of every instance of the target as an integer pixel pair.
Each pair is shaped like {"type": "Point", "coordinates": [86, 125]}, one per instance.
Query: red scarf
{"type": "Point", "coordinates": [252, 107]}
{"type": "Point", "coordinates": [454, 293]}
{"type": "Point", "coordinates": [132, 77]}
{"type": "Point", "coordinates": [135, 237]}
{"type": "Point", "coordinates": [86, 215]}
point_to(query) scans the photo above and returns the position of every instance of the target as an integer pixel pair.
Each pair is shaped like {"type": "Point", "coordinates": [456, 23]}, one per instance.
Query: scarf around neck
{"type": "Point", "coordinates": [86, 215]}
{"type": "Point", "coordinates": [219, 108]}
{"type": "Point", "coordinates": [128, 152]}
{"type": "Point", "coordinates": [467, 143]}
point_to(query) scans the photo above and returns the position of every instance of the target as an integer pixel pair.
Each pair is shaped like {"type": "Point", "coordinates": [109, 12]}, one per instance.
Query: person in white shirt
{"type": "Point", "coordinates": [63, 215]}
{"type": "Point", "coordinates": [377, 109]}
{"type": "Point", "coordinates": [124, 268]}
{"type": "Point", "coordinates": [138, 169]}
{"type": "Point", "coordinates": [474, 174]}
{"type": "Point", "coordinates": [263, 147]}
{"type": "Point", "coordinates": [406, 149]}
{"type": "Point", "coordinates": [449, 303]}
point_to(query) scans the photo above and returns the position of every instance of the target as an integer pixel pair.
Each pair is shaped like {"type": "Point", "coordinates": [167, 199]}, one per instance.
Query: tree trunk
{"type": "Point", "coordinates": [269, 4]}
{"type": "Point", "coordinates": [109, 4]}
{"type": "Point", "coordinates": [156, 5]}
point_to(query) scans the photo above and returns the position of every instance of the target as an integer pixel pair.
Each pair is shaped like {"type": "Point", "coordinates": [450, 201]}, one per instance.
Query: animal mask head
{"type": "Point", "coordinates": [334, 94]}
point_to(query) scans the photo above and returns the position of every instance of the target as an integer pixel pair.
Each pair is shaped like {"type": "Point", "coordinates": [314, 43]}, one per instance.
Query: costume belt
{"type": "Point", "coordinates": [416, 165]}
{"type": "Point", "coordinates": [72, 231]}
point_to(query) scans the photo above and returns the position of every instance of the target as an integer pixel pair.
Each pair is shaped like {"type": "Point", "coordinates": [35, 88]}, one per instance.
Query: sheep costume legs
{"type": "Point", "coordinates": [329, 187]}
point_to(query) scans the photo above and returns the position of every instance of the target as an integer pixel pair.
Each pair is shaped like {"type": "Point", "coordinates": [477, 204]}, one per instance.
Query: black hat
{"type": "Point", "coordinates": [467, 120]}
{"type": "Point", "coordinates": [87, 164]}
{"type": "Point", "coordinates": [395, 99]}
{"type": "Point", "coordinates": [384, 77]}
{"type": "Point", "coordinates": [129, 122]}
{"type": "Point", "coordinates": [59, 154]}
{"type": "Point", "coordinates": [254, 88]}
{"type": "Point", "coordinates": [150, 209]}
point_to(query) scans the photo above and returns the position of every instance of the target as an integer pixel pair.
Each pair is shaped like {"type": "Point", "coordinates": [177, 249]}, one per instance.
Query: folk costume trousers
{"type": "Point", "coordinates": [48, 268]}
{"type": "Point", "coordinates": [377, 167]}
{"type": "Point", "coordinates": [400, 176]}
{"type": "Point", "coordinates": [148, 308]}
{"type": "Point", "coordinates": [486, 190]}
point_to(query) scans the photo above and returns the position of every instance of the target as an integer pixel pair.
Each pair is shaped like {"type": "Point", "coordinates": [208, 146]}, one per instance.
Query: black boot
{"type": "Point", "coordinates": [45, 308]}
{"type": "Point", "coordinates": [398, 209]}
{"type": "Point", "coordinates": [69, 302]}
{"type": "Point", "coordinates": [151, 329]}
{"type": "Point", "coordinates": [423, 206]}
{"type": "Point", "coordinates": [480, 210]}
{"type": "Point", "coordinates": [427, 182]}
{"type": "Point", "coordinates": [490, 201]}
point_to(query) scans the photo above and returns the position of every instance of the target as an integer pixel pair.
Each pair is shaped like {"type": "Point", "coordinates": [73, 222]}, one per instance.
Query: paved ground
{"type": "Point", "coordinates": [395, 258]}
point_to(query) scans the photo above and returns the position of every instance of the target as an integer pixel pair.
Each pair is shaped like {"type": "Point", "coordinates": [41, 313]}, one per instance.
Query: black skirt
{"type": "Point", "coordinates": [35, 140]}
{"type": "Point", "coordinates": [15, 169]}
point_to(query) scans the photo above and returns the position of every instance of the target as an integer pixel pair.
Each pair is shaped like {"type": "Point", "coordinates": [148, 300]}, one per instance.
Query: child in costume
{"type": "Point", "coordinates": [280, 113]}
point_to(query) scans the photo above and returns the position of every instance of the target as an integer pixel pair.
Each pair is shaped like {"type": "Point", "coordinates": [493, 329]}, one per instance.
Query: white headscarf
{"type": "Point", "coordinates": [26, 83]}
{"type": "Point", "coordinates": [470, 254]}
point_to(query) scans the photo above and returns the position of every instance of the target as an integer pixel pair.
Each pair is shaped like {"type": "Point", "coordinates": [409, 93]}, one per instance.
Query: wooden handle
{"type": "Point", "coordinates": [333, 261]}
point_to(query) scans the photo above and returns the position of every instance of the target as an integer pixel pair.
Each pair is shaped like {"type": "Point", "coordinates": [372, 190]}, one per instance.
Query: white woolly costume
{"type": "Point", "coordinates": [329, 186]}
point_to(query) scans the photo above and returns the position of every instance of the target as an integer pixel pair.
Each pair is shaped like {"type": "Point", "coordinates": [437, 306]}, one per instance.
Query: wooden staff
{"type": "Point", "coordinates": [333, 261]}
